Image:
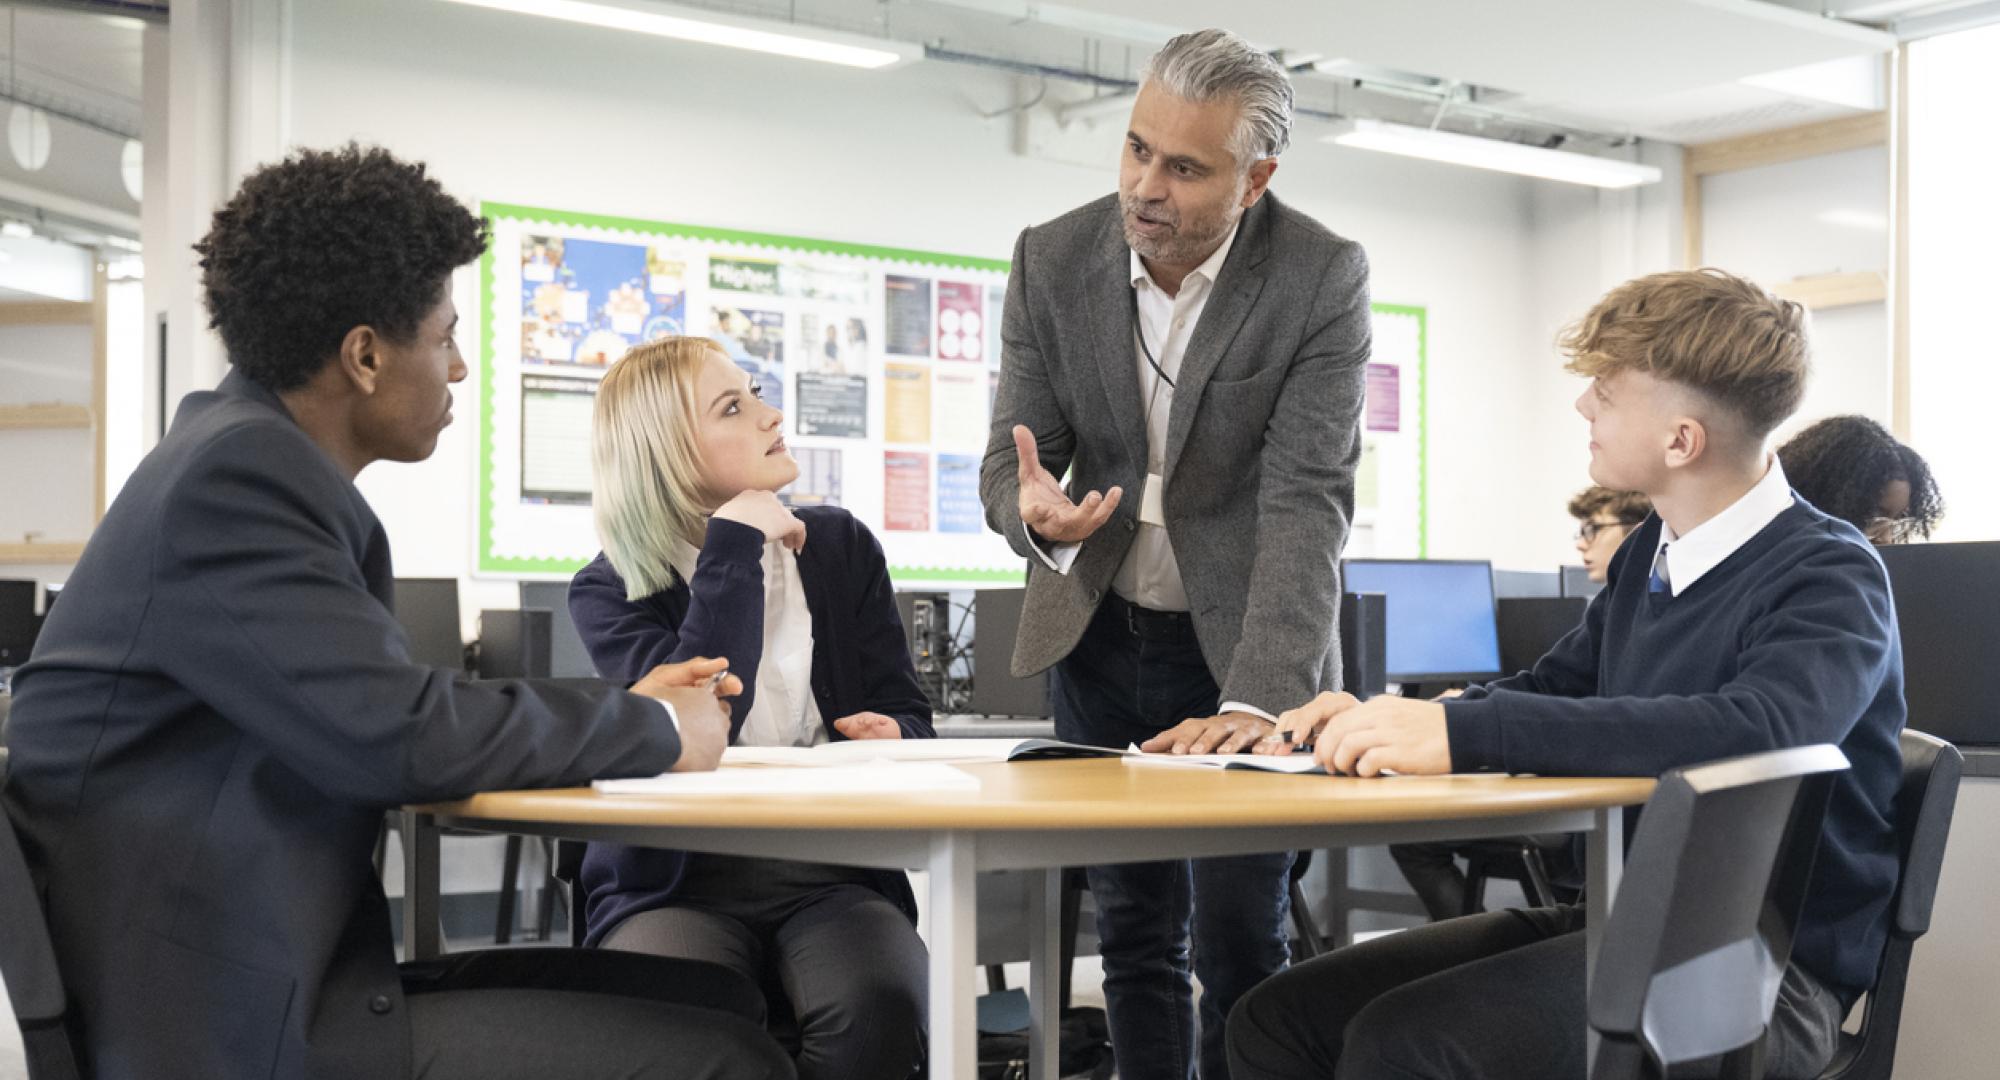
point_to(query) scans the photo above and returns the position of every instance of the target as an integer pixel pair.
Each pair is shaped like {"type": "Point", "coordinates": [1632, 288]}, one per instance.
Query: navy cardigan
{"type": "Point", "coordinates": [860, 663]}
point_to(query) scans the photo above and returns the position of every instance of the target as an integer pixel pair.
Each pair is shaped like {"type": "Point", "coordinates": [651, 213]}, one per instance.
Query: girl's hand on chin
{"type": "Point", "coordinates": [761, 510]}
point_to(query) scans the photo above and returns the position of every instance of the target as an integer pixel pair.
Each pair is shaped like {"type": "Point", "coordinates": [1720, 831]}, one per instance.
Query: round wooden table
{"type": "Point", "coordinates": [1037, 817]}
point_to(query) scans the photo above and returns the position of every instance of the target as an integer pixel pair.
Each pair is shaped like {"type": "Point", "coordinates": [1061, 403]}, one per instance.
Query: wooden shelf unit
{"type": "Point", "coordinates": [46, 551]}
{"type": "Point", "coordinates": [17, 417]}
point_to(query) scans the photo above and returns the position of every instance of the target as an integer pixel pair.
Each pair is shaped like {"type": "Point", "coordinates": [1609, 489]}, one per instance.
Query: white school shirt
{"type": "Point", "coordinates": [784, 712]}
{"type": "Point", "coordinates": [1707, 544]}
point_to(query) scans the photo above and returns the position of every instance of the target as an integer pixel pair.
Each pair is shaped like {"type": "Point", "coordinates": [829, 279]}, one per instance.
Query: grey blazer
{"type": "Point", "coordinates": [216, 716]}
{"type": "Point", "coordinates": [1262, 441]}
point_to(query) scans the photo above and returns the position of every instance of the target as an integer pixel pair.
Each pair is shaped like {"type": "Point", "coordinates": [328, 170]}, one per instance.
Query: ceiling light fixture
{"type": "Point", "coordinates": [1495, 154]}
{"type": "Point", "coordinates": [717, 28]}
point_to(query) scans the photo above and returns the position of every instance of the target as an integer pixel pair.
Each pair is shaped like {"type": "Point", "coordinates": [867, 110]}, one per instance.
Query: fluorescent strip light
{"type": "Point", "coordinates": [1492, 154]}
{"type": "Point", "coordinates": [716, 28]}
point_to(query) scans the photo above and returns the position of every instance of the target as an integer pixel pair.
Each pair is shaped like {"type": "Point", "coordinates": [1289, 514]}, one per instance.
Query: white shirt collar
{"type": "Point", "coordinates": [1716, 539]}
{"type": "Point", "coordinates": [682, 556]}
{"type": "Point", "coordinates": [1206, 272]}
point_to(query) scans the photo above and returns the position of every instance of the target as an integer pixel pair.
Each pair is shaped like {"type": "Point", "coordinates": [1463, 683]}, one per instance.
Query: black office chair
{"type": "Point", "coordinates": [1924, 802]}
{"type": "Point", "coordinates": [28, 963]}
{"type": "Point", "coordinates": [1524, 859]}
{"type": "Point", "coordinates": [510, 880]}
{"type": "Point", "coordinates": [1698, 940]}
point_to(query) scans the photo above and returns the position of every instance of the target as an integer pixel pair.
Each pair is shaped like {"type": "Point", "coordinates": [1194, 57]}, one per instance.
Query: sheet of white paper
{"type": "Point", "coordinates": [854, 751]}
{"type": "Point", "coordinates": [866, 779]}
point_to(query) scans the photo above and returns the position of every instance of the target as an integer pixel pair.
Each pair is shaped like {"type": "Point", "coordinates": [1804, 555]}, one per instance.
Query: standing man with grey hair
{"type": "Point", "coordinates": [1190, 352]}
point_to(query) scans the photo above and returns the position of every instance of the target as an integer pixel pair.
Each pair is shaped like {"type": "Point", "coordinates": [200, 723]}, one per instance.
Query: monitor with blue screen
{"type": "Point", "coordinates": [1440, 616]}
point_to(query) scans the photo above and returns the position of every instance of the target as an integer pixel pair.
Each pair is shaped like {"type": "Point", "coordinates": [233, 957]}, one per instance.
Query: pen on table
{"type": "Point", "coordinates": [1286, 738]}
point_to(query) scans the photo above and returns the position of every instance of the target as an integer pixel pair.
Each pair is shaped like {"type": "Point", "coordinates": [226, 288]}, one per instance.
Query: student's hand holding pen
{"type": "Point", "coordinates": [695, 689]}
{"type": "Point", "coordinates": [1391, 734]}
{"type": "Point", "coordinates": [1297, 728]}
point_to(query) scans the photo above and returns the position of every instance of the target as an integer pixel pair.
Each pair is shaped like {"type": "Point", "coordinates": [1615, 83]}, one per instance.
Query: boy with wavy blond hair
{"type": "Point", "coordinates": [1738, 619]}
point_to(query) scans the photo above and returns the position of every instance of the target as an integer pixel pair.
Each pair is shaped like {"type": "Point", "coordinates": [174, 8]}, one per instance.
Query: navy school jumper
{"type": "Point", "coordinates": [860, 663]}
{"type": "Point", "coordinates": [1791, 640]}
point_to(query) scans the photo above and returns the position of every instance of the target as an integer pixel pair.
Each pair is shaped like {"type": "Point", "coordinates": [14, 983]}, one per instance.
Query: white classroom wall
{"type": "Point", "coordinates": [544, 113]}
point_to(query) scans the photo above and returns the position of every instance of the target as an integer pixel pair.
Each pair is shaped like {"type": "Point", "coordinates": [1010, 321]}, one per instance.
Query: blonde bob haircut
{"type": "Point", "coordinates": [645, 466]}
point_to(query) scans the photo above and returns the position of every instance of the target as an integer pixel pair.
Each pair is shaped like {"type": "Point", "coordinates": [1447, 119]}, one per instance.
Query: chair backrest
{"type": "Point", "coordinates": [28, 962]}
{"type": "Point", "coordinates": [1924, 803]}
{"type": "Point", "coordinates": [1699, 937]}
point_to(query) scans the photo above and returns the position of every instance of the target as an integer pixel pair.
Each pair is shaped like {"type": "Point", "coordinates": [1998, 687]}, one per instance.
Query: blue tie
{"type": "Point", "coordinates": [1657, 583]}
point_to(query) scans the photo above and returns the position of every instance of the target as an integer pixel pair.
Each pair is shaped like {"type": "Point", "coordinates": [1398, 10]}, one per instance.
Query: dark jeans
{"type": "Point", "coordinates": [1118, 687]}
{"type": "Point", "coordinates": [1497, 996]}
{"type": "Point", "coordinates": [541, 1014]}
{"type": "Point", "coordinates": [844, 958]}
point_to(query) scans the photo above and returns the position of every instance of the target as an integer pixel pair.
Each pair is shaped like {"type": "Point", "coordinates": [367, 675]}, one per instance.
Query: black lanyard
{"type": "Point", "coordinates": [1139, 331]}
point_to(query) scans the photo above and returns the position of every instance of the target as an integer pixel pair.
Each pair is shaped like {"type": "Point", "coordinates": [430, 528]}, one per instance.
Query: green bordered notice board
{"type": "Point", "coordinates": [885, 361]}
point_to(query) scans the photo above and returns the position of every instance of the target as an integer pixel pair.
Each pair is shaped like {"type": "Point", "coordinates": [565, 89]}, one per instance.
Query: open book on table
{"type": "Point", "coordinates": [1291, 763]}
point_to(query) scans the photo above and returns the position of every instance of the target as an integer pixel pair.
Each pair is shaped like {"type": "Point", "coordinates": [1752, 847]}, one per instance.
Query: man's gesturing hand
{"type": "Point", "coordinates": [1044, 507]}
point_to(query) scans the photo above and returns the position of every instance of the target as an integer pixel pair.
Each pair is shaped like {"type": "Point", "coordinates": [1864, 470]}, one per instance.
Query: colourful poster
{"type": "Point", "coordinates": [961, 322]}
{"type": "Point", "coordinates": [996, 303]}
{"type": "Point", "coordinates": [819, 478]}
{"type": "Point", "coordinates": [906, 315]}
{"type": "Point", "coordinates": [833, 343]}
{"type": "Point", "coordinates": [1384, 396]}
{"type": "Point", "coordinates": [744, 275]}
{"type": "Point", "coordinates": [555, 439]}
{"type": "Point", "coordinates": [906, 491]}
{"type": "Point", "coordinates": [832, 405]}
{"type": "Point", "coordinates": [584, 302]}
{"type": "Point", "coordinates": [906, 404]}
{"type": "Point", "coordinates": [961, 411]}
{"type": "Point", "coordinates": [958, 508]}
{"type": "Point", "coordinates": [755, 339]}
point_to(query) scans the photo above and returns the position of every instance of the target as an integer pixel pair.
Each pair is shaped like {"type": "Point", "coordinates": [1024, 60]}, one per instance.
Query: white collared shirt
{"type": "Point", "coordinates": [1707, 544]}
{"type": "Point", "coordinates": [784, 712]}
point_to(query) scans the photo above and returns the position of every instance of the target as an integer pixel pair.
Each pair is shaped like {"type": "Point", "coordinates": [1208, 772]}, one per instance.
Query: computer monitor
{"type": "Point", "coordinates": [1531, 625]}
{"type": "Point", "coordinates": [568, 659]}
{"type": "Point", "coordinates": [996, 618]}
{"type": "Point", "coordinates": [1951, 636]}
{"type": "Point", "coordinates": [1576, 582]}
{"type": "Point", "coordinates": [428, 610]}
{"type": "Point", "coordinates": [1510, 583]}
{"type": "Point", "coordinates": [18, 623]}
{"type": "Point", "coordinates": [1439, 613]}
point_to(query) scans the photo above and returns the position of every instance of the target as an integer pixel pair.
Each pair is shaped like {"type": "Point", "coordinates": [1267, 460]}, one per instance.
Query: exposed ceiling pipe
{"type": "Point", "coordinates": [1121, 92]}
{"type": "Point", "coordinates": [154, 11]}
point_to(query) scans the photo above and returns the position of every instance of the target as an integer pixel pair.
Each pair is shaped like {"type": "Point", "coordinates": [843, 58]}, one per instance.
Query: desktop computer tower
{"type": "Point", "coordinates": [996, 619]}
{"type": "Point", "coordinates": [568, 658]}
{"type": "Point", "coordinates": [927, 627]}
{"type": "Point", "coordinates": [514, 644]}
{"type": "Point", "coordinates": [428, 610]}
{"type": "Point", "coordinates": [1364, 643]}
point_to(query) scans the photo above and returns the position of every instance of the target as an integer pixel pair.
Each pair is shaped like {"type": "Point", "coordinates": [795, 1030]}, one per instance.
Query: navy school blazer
{"type": "Point", "coordinates": [860, 663]}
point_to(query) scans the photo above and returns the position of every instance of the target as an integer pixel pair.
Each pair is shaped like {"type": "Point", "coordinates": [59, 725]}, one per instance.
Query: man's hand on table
{"type": "Point", "coordinates": [1224, 734]}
